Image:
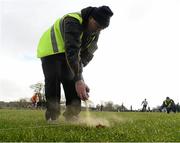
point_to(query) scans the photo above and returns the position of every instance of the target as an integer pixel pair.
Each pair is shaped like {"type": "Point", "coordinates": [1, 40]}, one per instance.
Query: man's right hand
{"type": "Point", "coordinates": [82, 90]}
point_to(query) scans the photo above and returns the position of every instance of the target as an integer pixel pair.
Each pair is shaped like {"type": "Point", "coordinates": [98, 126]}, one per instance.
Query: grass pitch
{"type": "Point", "coordinates": [30, 126]}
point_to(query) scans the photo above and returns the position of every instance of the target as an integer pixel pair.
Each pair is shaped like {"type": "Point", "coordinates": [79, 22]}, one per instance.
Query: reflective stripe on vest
{"type": "Point", "coordinates": [52, 40]}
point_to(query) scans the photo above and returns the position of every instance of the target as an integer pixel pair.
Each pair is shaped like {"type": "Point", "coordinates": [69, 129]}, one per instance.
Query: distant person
{"type": "Point", "coordinates": [178, 107]}
{"type": "Point", "coordinates": [35, 100]}
{"type": "Point", "coordinates": [169, 105]}
{"type": "Point", "coordinates": [131, 109]}
{"type": "Point", "coordinates": [122, 107]}
{"type": "Point", "coordinates": [65, 48]}
{"type": "Point", "coordinates": [101, 108]}
{"type": "Point", "coordinates": [98, 107]}
{"type": "Point", "coordinates": [144, 103]}
{"type": "Point", "coordinates": [41, 104]}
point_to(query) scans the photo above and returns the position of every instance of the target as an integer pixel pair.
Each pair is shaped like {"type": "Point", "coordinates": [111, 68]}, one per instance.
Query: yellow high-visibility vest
{"type": "Point", "coordinates": [52, 41]}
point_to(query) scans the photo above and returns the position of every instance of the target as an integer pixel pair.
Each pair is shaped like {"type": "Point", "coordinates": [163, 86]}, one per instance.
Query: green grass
{"type": "Point", "coordinates": [29, 125]}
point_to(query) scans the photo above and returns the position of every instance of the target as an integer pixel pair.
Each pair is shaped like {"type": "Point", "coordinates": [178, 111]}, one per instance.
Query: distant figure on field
{"type": "Point", "coordinates": [178, 107]}
{"type": "Point", "coordinates": [169, 105]}
{"type": "Point", "coordinates": [131, 108]}
{"type": "Point", "coordinates": [98, 107]}
{"type": "Point", "coordinates": [123, 108]}
{"type": "Point", "coordinates": [41, 104]}
{"type": "Point", "coordinates": [34, 100]}
{"type": "Point", "coordinates": [101, 108]}
{"type": "Point", "coordinates": [144, 103]}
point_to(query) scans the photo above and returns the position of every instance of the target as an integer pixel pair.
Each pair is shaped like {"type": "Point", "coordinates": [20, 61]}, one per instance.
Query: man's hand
{"type": "Point", "coordinates": [82, 90]}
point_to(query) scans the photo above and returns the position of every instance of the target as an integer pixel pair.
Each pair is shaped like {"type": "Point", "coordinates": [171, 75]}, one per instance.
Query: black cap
{"type": "Point", "coordinates": [102, 15]}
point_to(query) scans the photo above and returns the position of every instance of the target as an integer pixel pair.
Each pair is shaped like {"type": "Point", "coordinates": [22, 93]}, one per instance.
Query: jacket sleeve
{"type": "Point", "coordinates": [87, 54]}
{"type": "Point", "coordinates": [72, 41]}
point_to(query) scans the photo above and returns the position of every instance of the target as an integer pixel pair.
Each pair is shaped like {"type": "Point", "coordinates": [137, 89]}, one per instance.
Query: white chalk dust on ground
{"type": "Point", "coordinates": [90, 120]}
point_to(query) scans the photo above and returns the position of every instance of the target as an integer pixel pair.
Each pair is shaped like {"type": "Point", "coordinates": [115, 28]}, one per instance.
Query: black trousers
{"type": "Point", "coordinates": [56, 72]}
{"type": "Point", "coordinates": [171, 108]}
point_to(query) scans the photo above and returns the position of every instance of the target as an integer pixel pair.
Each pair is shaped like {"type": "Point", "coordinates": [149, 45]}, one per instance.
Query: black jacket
{"type": "Point", "coordinates": [79, 52]}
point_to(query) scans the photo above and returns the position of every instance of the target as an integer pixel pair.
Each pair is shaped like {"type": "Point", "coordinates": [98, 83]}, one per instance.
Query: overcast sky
{"type": "Point", "coordinates": [138, 55]}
